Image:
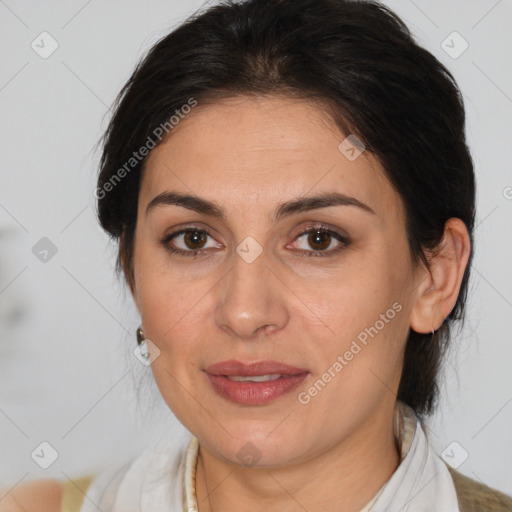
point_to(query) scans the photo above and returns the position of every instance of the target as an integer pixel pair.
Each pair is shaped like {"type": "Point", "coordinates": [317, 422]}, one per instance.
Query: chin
{"type": "Point", "coordinates": [253, 447]}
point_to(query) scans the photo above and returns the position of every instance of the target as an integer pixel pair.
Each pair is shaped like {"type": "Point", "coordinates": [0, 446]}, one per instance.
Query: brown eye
{"type": "Point", "coordinates": [319, 240]}
{"type": "Point", "coordinates": [190, 242]}
{"type": "Point", "coordinates": [195, 239]}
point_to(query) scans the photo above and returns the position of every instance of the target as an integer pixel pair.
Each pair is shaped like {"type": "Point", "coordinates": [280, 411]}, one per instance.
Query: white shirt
{"type": "Point", "coordinates": [164, 480]}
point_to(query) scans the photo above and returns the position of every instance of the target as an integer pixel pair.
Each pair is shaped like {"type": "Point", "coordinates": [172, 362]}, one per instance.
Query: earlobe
{"type": "Point", "coordinates": [438, 289]}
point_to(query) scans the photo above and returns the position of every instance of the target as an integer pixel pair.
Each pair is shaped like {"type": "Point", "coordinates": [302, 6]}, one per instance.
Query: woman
{"type": "Point", "coordinates": [294, 201]}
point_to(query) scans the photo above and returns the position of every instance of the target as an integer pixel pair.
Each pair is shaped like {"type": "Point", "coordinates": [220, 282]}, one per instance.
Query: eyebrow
{"type": "Point", "coordinates": [302, 204]}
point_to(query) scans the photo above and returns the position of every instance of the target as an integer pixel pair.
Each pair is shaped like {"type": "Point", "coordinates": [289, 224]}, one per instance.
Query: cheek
{"type": "Point", "coordinates": [172, 315]}
{"type": "Point", "coordinates": [367, 332]}
{"type": "Point", "coordinates": [359, 361]}
{"type": "Point", "coordinates": [364, 310]}
{"type": "Point", "coordinates": [167, 305]}
{"type": "Point", "coordinates": [355, 298]}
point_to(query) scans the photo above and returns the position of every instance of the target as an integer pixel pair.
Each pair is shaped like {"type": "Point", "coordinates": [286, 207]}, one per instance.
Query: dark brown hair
{"type": "Point", "coordinates": [358, 58]}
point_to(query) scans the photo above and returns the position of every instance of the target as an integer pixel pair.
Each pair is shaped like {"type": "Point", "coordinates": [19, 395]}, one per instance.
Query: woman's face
{"type": "Point", "coordinates": [248, 177]}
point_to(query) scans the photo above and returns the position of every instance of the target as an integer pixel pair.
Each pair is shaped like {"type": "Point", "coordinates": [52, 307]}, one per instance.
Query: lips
{"type": "Point", "coordinates": [231, 380]}
{"type": "Point", "coordinates": [232, 367]}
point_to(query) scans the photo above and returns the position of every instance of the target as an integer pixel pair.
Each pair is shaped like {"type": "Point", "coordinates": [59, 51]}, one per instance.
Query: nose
{"type": "Point", "coordinates": [251, 301]}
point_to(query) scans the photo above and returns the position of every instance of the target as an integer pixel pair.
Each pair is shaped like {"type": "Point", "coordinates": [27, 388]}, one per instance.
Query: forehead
{"type": "Point", "coordinates": [244, 152]}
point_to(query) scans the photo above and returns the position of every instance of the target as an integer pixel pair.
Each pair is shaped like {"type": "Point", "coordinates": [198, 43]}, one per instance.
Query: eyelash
{"type": "Point", "coordinates": [344, 242]}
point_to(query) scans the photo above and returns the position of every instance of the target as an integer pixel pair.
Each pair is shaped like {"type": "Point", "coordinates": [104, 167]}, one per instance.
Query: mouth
{"type": "Point", "coordinates": [254, 383]}
{"type": "Point", "coordinates": [254, 378]}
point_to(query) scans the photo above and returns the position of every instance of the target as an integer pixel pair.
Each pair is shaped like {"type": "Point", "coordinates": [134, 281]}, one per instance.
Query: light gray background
{"type": "Point", "coordinates": [67, 327]}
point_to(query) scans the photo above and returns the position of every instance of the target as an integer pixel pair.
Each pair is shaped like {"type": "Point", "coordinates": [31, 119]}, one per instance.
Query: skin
{"type": "Point", "coordinates": [36, 496]}
{"type": "Point", "coordinates": [249, 155]}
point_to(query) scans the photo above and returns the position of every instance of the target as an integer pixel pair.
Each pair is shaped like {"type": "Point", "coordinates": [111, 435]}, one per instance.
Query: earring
{"type": "Point", "coordinates": [140, 336]}
{"type": "Point", "coordinates": [142, 345]}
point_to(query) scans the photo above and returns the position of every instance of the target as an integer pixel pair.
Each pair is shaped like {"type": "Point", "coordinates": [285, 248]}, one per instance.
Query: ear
{"type": "Point", "coordinates": [438, 288]}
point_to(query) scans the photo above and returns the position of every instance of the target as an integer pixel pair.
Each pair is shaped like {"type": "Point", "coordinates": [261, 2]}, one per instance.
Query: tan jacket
{"type": "Point", "coordinates": [473, 496]}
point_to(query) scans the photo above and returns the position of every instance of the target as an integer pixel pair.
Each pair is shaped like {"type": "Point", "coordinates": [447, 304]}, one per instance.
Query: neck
{"type": "Point", "coordinates": [344, 478]}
